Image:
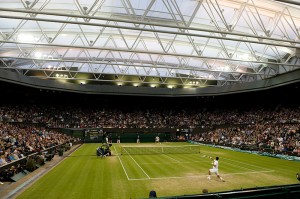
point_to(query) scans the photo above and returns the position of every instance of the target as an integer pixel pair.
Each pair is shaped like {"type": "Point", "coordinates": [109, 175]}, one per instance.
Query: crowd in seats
{"type": "Point", "coordinates": [274, 138]}
{"type": "Point", "coordinates": [104, 117]}
{"type": "Point", "coordinates": [274, 128]}
{"type": "Point", "coordinates": [19, 142]}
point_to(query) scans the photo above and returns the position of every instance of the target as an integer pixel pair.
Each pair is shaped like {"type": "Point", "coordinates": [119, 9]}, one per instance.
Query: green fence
{"type": "Point", "coordinates": [125, 135]}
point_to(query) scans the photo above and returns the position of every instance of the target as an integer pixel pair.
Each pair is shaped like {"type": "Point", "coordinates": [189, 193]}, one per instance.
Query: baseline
{"type": "Point", "coordinates": [140, 167]}
{"type": "Point", "coordinates": [199, 176]}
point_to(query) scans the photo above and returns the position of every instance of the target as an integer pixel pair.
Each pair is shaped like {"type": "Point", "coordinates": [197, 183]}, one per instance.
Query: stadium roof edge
{"type": "Point", "coordinates": [277, 81]}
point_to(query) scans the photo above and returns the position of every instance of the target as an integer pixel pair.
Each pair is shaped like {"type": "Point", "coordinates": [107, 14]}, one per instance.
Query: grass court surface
{"type": "Point", "coordinates": [84, 175]}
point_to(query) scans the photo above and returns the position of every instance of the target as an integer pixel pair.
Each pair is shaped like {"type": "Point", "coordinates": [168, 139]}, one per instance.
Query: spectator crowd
{"type": "Point", "coordinates": [92, 117]}
{"type": "Point", "coordinates": [272, 138]}
{"type": "Point", "coordinates": [19, 141]}
{"type": "Point", "coordinates": [276, 128]}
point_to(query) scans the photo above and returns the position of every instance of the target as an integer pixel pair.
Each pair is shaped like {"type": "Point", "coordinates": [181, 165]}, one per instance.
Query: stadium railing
{"type": "Point", "coordinates": [30, 162]}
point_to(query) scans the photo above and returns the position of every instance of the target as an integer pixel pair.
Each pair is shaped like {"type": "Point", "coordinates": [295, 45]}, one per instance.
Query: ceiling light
{"type": "Point", "coordinates": [245, 57]}
{"type": "Point", "coordinates": [226, 68]}
{"type": "Point", "coordinates": [25, 37]}
{"type": "Point", "coordinates": [38, 55]}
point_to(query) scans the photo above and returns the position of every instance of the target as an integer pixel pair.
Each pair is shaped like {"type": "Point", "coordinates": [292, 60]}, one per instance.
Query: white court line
{"type": "Point", "coordinates": [251, 165]}
{"type": "Point", "coordinates": [200, 176]}
{"type": "Point", "coordinates": [121, 164]}
{"type": "Point", "coordinates": [185, 162]}
{"type": "Point", "coordinates": [176, 161]}
{"type": "Point", "coordinates": [234, 165]}
{"type": "Point", "coordinates": [247, 164]}
{"type": "Point", "coordinates": [171, 158]}
{"type": "Point", "coordinates": [228, 174]}
{"type": "Point", "coordinates": [140, 167]}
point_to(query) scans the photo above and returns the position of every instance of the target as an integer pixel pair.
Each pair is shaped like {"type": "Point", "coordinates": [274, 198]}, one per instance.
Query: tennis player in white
{"type": "Point", "coordinates": [215, 169]}
{"type": "Point", "coordinates": [157, 139]}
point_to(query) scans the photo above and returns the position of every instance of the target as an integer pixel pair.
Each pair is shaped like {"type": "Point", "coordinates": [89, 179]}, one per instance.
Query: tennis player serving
{"type": "Point", "coordinates": [215, 169]}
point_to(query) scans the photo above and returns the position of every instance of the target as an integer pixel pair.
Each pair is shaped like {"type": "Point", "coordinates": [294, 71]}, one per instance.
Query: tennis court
{"type": "Point", "coordinates": [134, 174]}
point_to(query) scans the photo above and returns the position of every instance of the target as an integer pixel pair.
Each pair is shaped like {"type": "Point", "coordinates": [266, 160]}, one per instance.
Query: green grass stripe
{"type": "Point", "coordinates": [83, 175]}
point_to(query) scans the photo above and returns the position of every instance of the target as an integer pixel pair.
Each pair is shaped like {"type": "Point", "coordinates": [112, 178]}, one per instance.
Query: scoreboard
{"type": "Point", "coordinates": [95, 135]}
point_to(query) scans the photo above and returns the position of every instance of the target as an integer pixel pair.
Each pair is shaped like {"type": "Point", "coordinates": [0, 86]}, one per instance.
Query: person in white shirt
{"type": "Point", "coordinates": [157, 139]}
{"type": "Point", "coordinates": [215, 169]}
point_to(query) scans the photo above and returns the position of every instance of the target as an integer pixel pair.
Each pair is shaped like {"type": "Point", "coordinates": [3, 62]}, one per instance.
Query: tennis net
{"type": "Point", "coordinates": [143, 150]}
